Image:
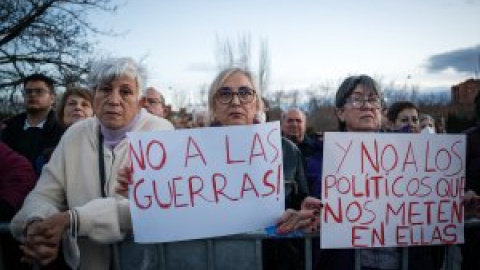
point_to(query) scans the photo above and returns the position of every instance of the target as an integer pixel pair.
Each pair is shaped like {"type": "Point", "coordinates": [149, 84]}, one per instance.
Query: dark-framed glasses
{"type": "Point", "coordinates": [225, 94]}
{"type": "Point", "coordinates": [154, 101]}
{"type": "Point", "coordinates": [360, 102]}
{"type": "Point", "coordinates": [34, 91]}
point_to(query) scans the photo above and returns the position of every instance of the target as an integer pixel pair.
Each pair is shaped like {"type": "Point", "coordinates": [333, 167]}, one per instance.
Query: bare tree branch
{"type": "Point", "coordinates": [227, 56]}
{"type": "Point", "coordinates": [50, 36]}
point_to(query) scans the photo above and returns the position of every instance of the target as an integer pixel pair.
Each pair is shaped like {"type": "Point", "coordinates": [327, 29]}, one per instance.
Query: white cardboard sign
{"type": "Point", "coordinates": [199, 183]}
{"type": "Point", "coordinates": [386, 189]}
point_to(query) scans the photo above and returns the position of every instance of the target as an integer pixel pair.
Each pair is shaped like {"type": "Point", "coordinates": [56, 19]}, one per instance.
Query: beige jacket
{"type": "Point", "coordinates": [71, 180]}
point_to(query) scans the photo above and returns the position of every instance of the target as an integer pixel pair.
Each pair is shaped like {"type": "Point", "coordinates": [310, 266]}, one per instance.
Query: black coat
{"type": "Point", "coordinates": [33, 142]}
{"type": "Point", "coordinates": [472, 171]}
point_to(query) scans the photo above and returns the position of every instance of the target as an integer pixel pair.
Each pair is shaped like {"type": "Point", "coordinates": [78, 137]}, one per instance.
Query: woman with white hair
{"type": "Point", "coordinates": [75, 194]}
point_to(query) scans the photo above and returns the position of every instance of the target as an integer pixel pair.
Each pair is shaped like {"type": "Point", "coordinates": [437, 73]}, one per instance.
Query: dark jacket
{"type": "Point", "coordinates": [313, 170]}
{"type": "Point", "coordinates": [296, 188]}
{"type": "Point", "coordinates": [288, 254]}
{"type": "Point", "coordinates": [33, 142]}
{"type": "Point", "coordinates": [472, 171]}
{"type": "Point", "coordinates": [471, 248]}
{"type": "Point", "coordinates": [308, 147]}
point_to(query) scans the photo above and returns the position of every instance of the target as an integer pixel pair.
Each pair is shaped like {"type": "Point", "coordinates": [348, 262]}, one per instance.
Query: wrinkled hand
{"type": "Point", "coordinates": [124, 179]}
{"type": "Point", "coordinates": [315, 205]}
{"type": "Point", "coordinates": [43, 239]}
{"type": "Point", "coordinates": [293, 220]}
{"type": "Point", "coordinates": [471, 202]}
{"type": "Point", "coordinates": [311, 203]}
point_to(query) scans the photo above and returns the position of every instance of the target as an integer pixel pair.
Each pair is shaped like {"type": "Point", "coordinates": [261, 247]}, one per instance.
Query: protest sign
{"type": "Point", "coordinates": [382, 190]}
{"type": "Point", "coordinates": [198, 183]}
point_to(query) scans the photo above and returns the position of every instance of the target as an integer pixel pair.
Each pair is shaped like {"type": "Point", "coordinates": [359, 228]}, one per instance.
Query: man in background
{"type": "Point", "coordinates": [35, 130]}
{"type": "Point", "coordinates": [154, 102]}
{"type": "Point", "coordinates": [294, 126]}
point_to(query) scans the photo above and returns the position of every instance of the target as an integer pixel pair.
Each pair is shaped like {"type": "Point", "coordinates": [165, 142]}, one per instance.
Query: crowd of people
{"type": "Point", "coordinates": [64, 174]}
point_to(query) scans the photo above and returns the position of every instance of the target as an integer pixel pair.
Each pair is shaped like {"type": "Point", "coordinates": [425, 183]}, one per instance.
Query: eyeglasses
{"type": "Point", "coordinates": [154, 101]}
{"type": "Point", "coordinates": [245, 95]}
{"type": "Point", "coordinates": [34, 91]}
{"type": "Point", "coordinates": [360, 102]}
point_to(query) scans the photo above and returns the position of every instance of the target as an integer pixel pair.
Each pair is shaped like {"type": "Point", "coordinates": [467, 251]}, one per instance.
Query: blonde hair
{"type": "Point", "coordinates": [220, 80]}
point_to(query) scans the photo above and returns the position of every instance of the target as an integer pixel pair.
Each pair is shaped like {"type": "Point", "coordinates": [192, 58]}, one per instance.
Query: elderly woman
{"type": "Point", "coordinates": [358, 104]}
{"type": "Point", "coordinates": [234, 99]}
{"type": "Point", "coordinates": [75, 194]}
{"type": "Point", "coordinates": [76, 104]}
{"type": "Point", "coordinates": [403, 117]}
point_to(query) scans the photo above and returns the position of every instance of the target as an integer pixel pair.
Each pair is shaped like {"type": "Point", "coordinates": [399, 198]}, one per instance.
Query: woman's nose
{"type": "Point", "coordinates": [115, 97]}
{"type": "Point", "coordinates": [235, 99]}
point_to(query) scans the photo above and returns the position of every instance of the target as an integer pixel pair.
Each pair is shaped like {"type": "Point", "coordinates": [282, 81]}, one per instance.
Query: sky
{"type": "Point", "coordinates": [432, 44]}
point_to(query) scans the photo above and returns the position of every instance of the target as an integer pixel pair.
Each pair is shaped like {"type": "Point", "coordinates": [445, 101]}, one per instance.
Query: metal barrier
{"type": "Point", "coordinates": [172, 255]}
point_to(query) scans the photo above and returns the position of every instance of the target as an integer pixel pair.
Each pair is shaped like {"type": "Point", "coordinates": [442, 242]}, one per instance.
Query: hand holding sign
{"type": "Point", "coordinates": [124, 180]}
{"type": "Point", "coordinates": [392, 189]}
{"type": "Point", "coordinates": [307, 219]}
{"type": "Point", "coordinates": [471, 201]}
{"type": "Point", "coordinates": [315, 205]}
{"type": "Point", "coordinates": [197, 183]}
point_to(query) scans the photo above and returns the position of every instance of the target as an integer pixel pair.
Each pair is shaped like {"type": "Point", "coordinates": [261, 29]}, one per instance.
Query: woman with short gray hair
{"type": "Point", "coordinates": [75, 194]}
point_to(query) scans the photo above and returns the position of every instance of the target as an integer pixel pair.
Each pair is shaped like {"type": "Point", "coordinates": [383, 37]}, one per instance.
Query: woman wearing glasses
{"type": "Point", "coordinates": [359, 103]}
{"type": "Point", "coordinates": [234, 100]}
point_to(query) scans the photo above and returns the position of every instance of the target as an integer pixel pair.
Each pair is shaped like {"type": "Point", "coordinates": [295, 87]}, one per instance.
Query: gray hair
{"type": "Point", "coordinates": [350, 83]}
{"type": "Point", "coordinates": [106, 70]}
{"type": "Point", "coordinates": [218, 82]}
{"type": "Point", "coordinates": [302, 113]}
{"type": "Point", "coordinates": [426, 116]}
{"type": "Point", "coordinates": [156, 91]}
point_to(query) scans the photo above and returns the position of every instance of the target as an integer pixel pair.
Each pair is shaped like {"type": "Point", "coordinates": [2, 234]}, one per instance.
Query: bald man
{"type": "Point", "coordinates": [294, 126]}
{"type": "Point", "coordinates": [154, 102]}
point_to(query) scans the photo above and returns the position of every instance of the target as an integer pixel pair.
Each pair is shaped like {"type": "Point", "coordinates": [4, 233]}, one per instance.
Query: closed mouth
{"type": "Point", "coordinates": [235, 114]}
{"type": "Point", "coordinates": [77, 114]}
{"type": "Point", "coordinates": [366, 116]}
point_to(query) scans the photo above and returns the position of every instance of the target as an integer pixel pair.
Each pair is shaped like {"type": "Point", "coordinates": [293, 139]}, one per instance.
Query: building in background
{"type": "Point", "coordinates": [464, 93]}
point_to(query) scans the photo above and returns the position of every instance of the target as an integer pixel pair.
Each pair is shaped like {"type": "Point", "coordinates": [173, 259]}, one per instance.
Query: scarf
{"type": "Point", "coordinates": [112, 137]}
